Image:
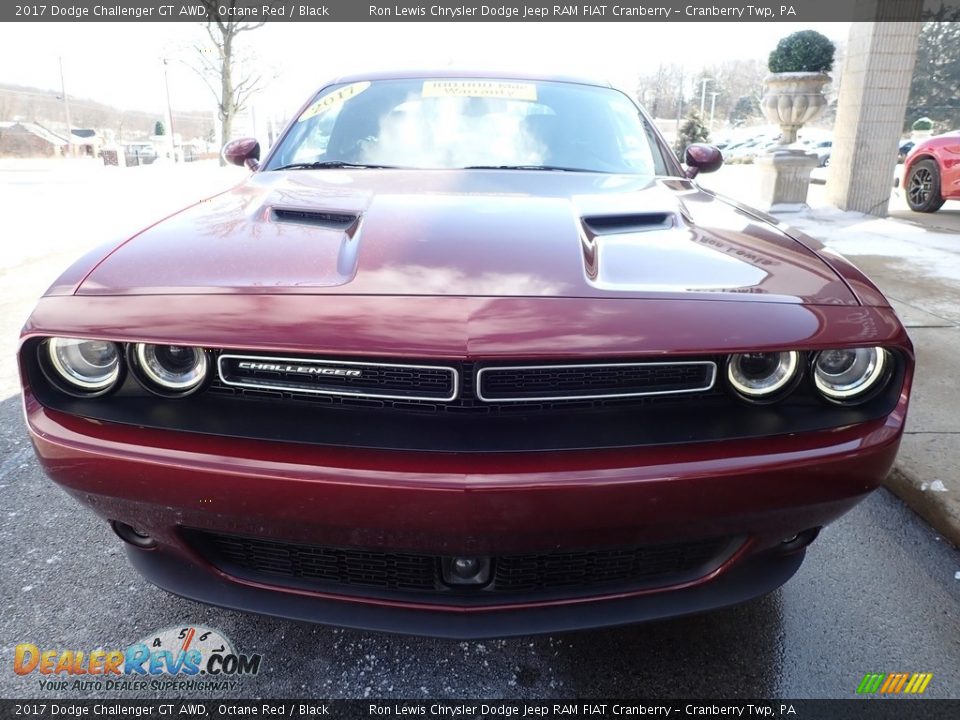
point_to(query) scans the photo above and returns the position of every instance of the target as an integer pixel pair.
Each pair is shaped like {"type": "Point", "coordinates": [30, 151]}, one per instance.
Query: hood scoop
{"type": "Point", "coordinates": [630, 223]}
{"type": "Point", "coordinates": [329, 220]}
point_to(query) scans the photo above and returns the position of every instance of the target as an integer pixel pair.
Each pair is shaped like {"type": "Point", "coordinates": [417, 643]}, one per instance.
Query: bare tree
{"type": "Point", "coordinates": [231, 87]}
{"type": "Point", "coordinates": [657, 91]}
{"type": "Point", "coordinates": [8, 105]}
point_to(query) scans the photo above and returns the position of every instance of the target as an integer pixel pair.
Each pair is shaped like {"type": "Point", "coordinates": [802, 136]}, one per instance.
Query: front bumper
{"type": "Point", "coordinates": [748, 580]}
{"type": "Point", "coordinates": [446, 504]}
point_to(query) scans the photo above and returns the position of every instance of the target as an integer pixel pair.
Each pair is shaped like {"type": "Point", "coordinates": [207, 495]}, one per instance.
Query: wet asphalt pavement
{"type": "Point", "coordinates": [877, 593]}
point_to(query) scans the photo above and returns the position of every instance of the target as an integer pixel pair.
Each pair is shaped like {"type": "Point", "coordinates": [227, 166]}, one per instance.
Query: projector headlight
{"type": "Point", "coordinates": [848, 374]}
{"type": "Point", "coordinates": [171, 369]}
{"type": "Point", "coordinates": [87, 366]}
{"type": "Point", "coordinates": [762, 375]}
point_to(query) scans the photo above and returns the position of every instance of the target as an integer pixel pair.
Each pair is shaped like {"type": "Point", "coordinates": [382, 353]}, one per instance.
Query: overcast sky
{"type": "Point", "coordinates": [119, 63]}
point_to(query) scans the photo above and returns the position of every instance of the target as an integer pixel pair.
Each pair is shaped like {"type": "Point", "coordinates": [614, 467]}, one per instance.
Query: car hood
{"type": "Point", "coordinates": [469, 233]}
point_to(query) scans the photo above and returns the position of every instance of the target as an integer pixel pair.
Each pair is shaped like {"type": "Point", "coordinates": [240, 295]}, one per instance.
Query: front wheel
{"type": "Point", "coordinates": [923, 187]}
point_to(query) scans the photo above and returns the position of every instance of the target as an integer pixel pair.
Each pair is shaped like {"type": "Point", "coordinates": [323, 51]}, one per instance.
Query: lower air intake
{"type": "Point", "coordinates": [355, 571]}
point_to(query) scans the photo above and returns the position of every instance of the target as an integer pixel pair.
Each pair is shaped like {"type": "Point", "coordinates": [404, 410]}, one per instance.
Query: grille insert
{"type": "Point", "coordinates": [552, 574]}
{"type": "Point", "coordinates": [596, 380]}
{"type": "Point", "coordinates": [339, 377]}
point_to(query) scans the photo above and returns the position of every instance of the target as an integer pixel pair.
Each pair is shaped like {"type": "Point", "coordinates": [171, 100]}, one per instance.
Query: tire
{"type": "Point", "coordinates": [922, 187]}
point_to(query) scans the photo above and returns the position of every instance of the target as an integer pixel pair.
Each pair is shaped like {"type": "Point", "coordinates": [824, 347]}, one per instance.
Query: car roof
{"type": "Point", "coordinates": [414, 74]}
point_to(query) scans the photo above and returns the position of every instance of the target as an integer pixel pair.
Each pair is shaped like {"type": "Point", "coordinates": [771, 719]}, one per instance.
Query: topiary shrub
{"type": "Point", "coordinates": [804, 51]}
{"type": "Point", "coordinates": [924, 124]}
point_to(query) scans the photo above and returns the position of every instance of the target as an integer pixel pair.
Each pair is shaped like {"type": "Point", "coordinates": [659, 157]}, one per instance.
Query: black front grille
{"type": "Point", "coordinates": [465, 424]}
{"type": "Point", "coordinates": [452, 387]}
{"type": "Point", "coordinates": [353, 571]}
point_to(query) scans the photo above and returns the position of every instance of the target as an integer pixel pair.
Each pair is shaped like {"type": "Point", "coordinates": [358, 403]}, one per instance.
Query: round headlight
{"type": "Point", "coordinates": [91, 366]}
{"type": "Point", "coordinates": [849, 373]}
{"type": "Point", "coordinates": [760, 375]}
{"type": "Point", "coordinates": [171, 368]}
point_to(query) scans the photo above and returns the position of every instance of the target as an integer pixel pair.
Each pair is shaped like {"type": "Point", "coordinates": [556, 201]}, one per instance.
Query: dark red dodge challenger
{"type": "Point", "coordinates": [467, 356]}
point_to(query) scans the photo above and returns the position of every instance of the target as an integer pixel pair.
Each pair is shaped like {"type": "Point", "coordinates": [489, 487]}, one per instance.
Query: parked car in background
{"type": "Point", "coordinates": [823, 150]}
{"type": "Point", "coordinates": [730, 149]}
{"type": "Point", "coordinates": [905, 147]}
{"type": "Point", "coordinates": [932, 172]}
{"type": "Point", "coordinates": [746, 151]}
{"type": "Point", "coordinates": [140, 154]}
{"type": "Point", "coordinates": [761, 148]}
{"type": "Point", "coordinates": [467, 356]}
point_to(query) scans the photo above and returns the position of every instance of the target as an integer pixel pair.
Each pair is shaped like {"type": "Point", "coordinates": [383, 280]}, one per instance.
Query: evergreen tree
{"type": "Point", "coordinates": [936, 76]}
{"type": "Point", "coordinates": [692, 130]}
{"type": "Point", "coordinates": [745, 108]}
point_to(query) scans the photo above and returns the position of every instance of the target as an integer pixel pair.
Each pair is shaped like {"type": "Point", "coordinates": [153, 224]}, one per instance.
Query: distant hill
{"type": "Point", "coordinates": [45, 107]}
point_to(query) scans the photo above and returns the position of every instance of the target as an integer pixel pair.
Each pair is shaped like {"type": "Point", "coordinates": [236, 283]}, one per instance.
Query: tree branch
{"type": "Point", "coordinates": [246, 27]}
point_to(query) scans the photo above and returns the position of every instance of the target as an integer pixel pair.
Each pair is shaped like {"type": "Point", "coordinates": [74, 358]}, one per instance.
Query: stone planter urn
{"type": "Point", "coordinates": [791, 100]}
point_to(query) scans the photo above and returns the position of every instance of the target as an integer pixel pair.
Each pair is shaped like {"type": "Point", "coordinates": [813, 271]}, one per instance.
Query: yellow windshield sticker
{"type": "Point", "coordinates": [333, 99]}
{"type": "Point", "coordinates": [480, 89]}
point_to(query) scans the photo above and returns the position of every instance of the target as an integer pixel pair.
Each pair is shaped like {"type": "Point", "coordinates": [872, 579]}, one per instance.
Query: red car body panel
{"type": "Point", "coordinates": [446, 505]}
{"type": "Point", "coordinates": [945, 150]}
{"type": "Point", "coordinates": [467, 328]}
{"type": "Point", "coordinates": [467, 233]}
{"type": "Point", "coordinates": [475, 267]}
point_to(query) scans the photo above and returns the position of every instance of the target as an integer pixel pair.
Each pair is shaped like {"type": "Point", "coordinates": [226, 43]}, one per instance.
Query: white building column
{"type": "Point", "coordinates": [875, 85]}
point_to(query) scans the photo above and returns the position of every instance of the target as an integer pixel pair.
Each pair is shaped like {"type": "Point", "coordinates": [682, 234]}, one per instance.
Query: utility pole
{"type": "Point", "coordinates": [173, 139]}
{"type": "Point", "coordinates": [66, 109]}
{"type": "Point", "coordinates": [713, 106]}
{"type": "Point", "coordinates": [680, 104]}
{"type": "Point", "coordinates": [703, 94]}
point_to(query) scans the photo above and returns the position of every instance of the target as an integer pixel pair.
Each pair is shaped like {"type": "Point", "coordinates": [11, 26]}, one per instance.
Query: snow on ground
{"type": "Point", "coordinates": [76, 205]}
{"type": "Point", "coordinates": [935, 253]}
{"type": "Point", "coordinates": [932, 251]}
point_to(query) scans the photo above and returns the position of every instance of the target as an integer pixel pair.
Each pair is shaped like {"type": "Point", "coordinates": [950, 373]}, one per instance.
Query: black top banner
{"type": "Point", "coordinates": [474, 11]}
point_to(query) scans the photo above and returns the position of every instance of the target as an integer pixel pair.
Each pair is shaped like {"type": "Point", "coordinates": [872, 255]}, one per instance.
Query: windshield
{"type": "Point", "coordinates": [471, 123]}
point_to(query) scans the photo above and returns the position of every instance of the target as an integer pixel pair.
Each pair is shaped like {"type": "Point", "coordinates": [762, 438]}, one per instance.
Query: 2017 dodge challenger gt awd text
{"type": "Point", "coordinates": [467, 356]}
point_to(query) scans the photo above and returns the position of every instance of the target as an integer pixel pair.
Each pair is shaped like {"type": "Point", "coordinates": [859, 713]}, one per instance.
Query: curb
{"type": "Point", "coordinates": [928, 504]}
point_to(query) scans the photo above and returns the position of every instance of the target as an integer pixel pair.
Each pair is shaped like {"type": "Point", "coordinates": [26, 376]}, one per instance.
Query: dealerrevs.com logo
{"type": "Point", "coordinates": [178, 658]}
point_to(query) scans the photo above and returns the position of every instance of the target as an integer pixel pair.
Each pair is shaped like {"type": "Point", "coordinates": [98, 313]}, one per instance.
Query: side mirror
{"type": "Point", "coordinates": [700, 158]}
{"type": "Point", "coordinates": [244, 152]}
